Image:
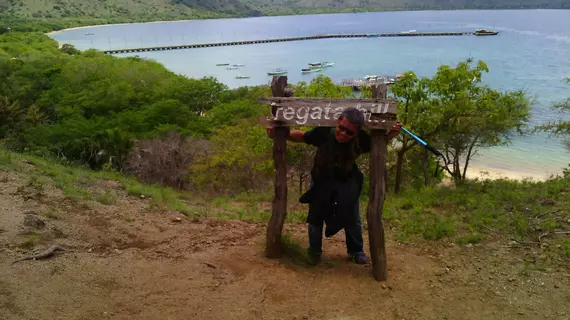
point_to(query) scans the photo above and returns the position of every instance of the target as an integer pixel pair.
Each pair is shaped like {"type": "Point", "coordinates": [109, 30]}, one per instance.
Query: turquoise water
{"type": "Point", "coordinates": [531, 53]}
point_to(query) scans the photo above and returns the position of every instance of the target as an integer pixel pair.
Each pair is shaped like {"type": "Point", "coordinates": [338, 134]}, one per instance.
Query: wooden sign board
{"type": "Point", "coordinates": [378, 113]}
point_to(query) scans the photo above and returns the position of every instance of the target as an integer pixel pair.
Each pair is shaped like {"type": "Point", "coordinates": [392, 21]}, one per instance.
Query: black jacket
{"type": "Point", "coordinates": [334, 195]}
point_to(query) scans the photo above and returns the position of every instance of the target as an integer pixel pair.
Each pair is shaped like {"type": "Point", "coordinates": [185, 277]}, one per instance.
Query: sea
{"type": "Point", "coordinates": [531, 53]}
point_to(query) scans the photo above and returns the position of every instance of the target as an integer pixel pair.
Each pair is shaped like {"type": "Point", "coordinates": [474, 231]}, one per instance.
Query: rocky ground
{"type": "Point", "coordinates": [129, 261]}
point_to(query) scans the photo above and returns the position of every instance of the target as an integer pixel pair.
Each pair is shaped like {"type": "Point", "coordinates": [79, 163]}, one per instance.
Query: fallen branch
{"type": "Point", "coordinates": [211, 265]}
{"type": "Point", "coordinates": [46, 254]}
{"type": "Point", "coordinates": [542, 236]}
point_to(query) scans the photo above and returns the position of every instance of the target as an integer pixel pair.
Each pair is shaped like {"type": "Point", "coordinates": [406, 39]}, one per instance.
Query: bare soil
{"type": "Point", "coordinates": [126, 261]}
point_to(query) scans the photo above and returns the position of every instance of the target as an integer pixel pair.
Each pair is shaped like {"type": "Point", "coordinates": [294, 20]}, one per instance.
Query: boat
{"type": "Point", "coordinates": [309, 70]}
{"type": "Point", "coordinates": [409, 31]}
{"type": "Point", "coordinates": [231, 68]}
{"type": "Point", "coordinates": [89, 34]}
{"type": "Point", "coordinates": [485, 32]}
{"type": "Point", "coordinates": [277, 72]}
{"type": "Point", "coordinates": [323, 64]}
{"type": "Point", "coordinates": [242, 77]}
{"type": "Point", "coordinates": [239, 65]}
{"type": "Point", "coordinates": [222, 64]}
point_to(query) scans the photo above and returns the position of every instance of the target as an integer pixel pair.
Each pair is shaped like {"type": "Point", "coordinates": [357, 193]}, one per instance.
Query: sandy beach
{"type": "Point", "coordinates": [109, 25]}
{"type": "Point", "coordinates": [482, 173]}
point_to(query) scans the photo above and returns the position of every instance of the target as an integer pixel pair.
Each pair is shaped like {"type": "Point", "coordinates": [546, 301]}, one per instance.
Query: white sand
{"type": "Point", "coordinates": [112, 24]}
{"type": "Point", "coordinates": [474, 172]}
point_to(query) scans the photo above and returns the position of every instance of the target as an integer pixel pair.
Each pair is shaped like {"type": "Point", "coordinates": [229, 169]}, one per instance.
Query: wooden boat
{"type": "Point", "coordinates": [485, 32]}
{"type": "Point", "coordinates": [323, 64]}
{"type": "Point", "coordinates": [277, 72]}
{"type": "Point", "coordinates": [222, 64]}
{"type": "Point", "coordinates": [310, 70]}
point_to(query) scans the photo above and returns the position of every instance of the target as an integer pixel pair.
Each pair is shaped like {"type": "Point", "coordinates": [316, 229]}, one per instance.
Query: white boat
{"type": "Point", "coordinates": [277, 72]}
{"type": "Point", "coordinates": [323, 64]}
{"type": "Point", "coordinates": [239, 65]}
{"type": "Point", "coordinates": [309, 70]}
{"type": "Point", "coordinates": [231, 68]}
{"type": "Point", "coordinates": [242, 77]}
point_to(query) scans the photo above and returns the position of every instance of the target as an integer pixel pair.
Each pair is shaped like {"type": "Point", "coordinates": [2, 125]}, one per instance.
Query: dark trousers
{"type": "Point", "coordinates": [353, 236]}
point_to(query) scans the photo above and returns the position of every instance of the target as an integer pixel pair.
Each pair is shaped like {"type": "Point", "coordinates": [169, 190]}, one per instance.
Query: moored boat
{"type": "Point", "coordinates": [277, 72]}
{"type": "Point", "coordinates": [309, 70]}
{"type": "Point", "coordinates": [242, 77]}
{"type": "Point", "coordinates": [485, 32]}
{"type": "Point", "coordinates": [323, 64]}
{"type": "Point", "coordinates": [222, 64]}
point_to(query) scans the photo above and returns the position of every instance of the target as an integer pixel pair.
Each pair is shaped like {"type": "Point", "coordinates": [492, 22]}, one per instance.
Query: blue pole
{"type": "Point", "coordinates": [419, 140]}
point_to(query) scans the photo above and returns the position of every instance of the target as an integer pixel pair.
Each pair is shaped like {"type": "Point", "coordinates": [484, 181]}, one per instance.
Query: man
{"type": "Point", "coordinates": [336, 181]}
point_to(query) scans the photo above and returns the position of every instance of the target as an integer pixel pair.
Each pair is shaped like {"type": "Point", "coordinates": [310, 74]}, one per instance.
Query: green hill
{"type": "Point", "coordinates": [170, 9]}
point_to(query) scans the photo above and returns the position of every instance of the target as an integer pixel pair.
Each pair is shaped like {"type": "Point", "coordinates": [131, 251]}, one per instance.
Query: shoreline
{"type": "Point", "coordinates": [484, 173]}
{"type": "Point", "coordinates": [110, 25]}
{"type": "Point", "coordinates": [286, 15]}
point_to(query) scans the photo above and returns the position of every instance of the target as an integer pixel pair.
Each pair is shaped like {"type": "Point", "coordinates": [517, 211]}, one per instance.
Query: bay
{"type": "Point", "coordinates": [531, 53]}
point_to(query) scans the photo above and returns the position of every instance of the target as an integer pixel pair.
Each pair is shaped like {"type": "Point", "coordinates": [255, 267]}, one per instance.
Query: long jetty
{"type": "Point", "coordinates": [315, 37]}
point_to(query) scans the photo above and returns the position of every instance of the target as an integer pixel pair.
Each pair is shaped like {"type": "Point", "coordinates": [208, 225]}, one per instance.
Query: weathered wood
{"type": "Point", "coordinates": [307, 111]}
{"type": "Point", "coordinates": [378, 176]}
{"type": "Point", "coordinates": [378, 180]}
{"type": "Point", "coordinates": [279, 204]}
{"type": "Point", "coordinates": [381, 124]}
{"type": "Point", "coordinates": [379, 91]}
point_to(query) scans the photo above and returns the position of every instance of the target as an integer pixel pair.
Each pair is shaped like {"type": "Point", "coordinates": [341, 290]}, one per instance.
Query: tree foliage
{"type": "Point", "coordinates": [560, 128]}
{"type": "Point", "coordinates": [454, 111]}
{"type": "Point", "coordinates": [94, 109]}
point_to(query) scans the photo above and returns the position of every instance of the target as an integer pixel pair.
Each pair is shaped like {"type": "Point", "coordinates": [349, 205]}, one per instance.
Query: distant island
{"type": "Point", "coordinates": [79, 12]}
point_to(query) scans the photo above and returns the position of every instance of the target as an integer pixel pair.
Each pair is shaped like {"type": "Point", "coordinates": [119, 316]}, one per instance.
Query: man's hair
{"type": "Point", "coordinates": [353, 115]}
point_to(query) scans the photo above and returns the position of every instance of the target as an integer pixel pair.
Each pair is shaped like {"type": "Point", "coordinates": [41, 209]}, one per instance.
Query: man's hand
{"type": "Point", "coordinates": [396, 129]}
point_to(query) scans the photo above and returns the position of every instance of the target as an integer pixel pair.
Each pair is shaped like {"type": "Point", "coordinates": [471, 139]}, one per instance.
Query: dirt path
{"type": "Point", "coordinates": [129, 262]}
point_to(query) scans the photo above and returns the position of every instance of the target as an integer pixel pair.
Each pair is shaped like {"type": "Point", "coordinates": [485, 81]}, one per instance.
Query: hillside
{"type": "Point", "coordinates": [132, 254]}
{"type": "Point", "coordinates": [171, 9]}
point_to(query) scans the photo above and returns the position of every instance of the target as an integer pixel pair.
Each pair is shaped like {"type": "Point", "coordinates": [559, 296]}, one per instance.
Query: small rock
{"type": "Point", "coordinates": [177, 219]}
{"type": "Point", "coordinates": [33, 221]}
{"type": "Point", "coordinates": [521, 313]}
{"type": "Point", "coordinates": [117, 251]}
{"type": "Point", "coordinates": [383, 286]}
{"type": "Point", "coordinates": [142, 196]}
{"type": "Point", "coordinates": [511, 279]}
{"type": "Point", "coordinates": [556, 285]}
{"type": "Point", "coordinates": [90, 250]}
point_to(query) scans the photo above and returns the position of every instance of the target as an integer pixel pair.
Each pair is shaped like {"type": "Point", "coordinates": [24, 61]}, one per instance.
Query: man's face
{"type": "Point", "coordinates": [345, 130]}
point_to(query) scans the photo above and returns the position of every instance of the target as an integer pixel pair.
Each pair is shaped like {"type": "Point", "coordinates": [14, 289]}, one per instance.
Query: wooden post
{"type": "Point", "coordinates": [378, 179]}
{"type": "Point", "coordinates": [279, 205]}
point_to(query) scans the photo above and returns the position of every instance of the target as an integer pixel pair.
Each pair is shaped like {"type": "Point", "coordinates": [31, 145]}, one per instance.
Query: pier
{"type": "Point", "coordinates": [315, 37]}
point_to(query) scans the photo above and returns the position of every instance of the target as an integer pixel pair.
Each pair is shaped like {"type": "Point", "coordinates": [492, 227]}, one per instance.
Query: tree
{"type": "Point", "coordinates": [560, 128]}
{"type": "Point", "coordinates": [414, 111]}
{"type": "Point", "coordinates": [473, 116]}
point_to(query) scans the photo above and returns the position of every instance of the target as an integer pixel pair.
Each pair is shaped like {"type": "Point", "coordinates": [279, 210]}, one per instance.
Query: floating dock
{"type": "Point", "coordinates": [315, 37]}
